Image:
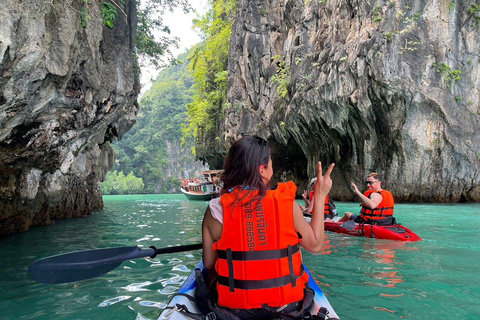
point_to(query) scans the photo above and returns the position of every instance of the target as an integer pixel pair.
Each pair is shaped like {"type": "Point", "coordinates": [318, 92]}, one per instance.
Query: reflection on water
{"type": "Point", "coordinates": [153, 304]}
{"type": "Point", "coordinates": [385, 270]}
{"type": "Point", "coordinates": [326, 248]}
{"type": "Point", "coordinates": [113, 301]}
{"type": "Point", "coordinates": [136, 287]}
{"type": "Point", "coordinates": [174, 279]}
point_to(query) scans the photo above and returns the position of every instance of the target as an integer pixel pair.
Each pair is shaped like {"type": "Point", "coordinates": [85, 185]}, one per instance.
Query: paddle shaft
{"type": "Point", "coordinates": [187, 247]}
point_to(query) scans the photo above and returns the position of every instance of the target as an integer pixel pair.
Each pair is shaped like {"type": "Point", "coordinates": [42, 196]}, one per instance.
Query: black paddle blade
{"type": "Point", "coordinates": [83, 265]}
{"type": "Point", "coordinates": [350, 225]}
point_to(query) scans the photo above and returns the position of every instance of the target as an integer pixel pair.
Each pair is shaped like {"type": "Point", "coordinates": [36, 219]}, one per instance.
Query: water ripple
{"type": "Point", "coordinates": [175, 279]}
{"type": "Point", "coordinates": [153, 304]}
{"type": "Point", "coordinates": [113, 301]}
{"type": "Point", "coordinates": [136, 287]}
{"type": "Point", "coordinates": [174, 261]}
{"type": "Point", "coordinates": [156, 264]}
{"type": "Point", "coordinates": [168, 290]}
{"type": "Point", "coordinates": [181, 268]}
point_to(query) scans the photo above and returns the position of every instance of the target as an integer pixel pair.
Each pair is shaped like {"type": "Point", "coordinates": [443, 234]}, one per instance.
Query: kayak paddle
{"type": "Point", "coordinates": [89, 264]}
{"type": "Point", "coordinates": [349, 225]}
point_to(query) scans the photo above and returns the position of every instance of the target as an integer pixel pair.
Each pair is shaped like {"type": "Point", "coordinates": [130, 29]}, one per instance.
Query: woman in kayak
{"type": "Point", "coordinates": [251, 238]}
{"type": "Point", "coordinates": [329, 208]}
{"type": "Point", "coordinates": [377, 204]}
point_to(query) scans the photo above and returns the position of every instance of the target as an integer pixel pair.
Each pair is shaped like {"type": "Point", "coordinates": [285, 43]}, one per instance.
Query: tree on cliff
{"type": "Point", "coordinates": [118, 183]}
{"type": "Point", "coordinates": [150, 15]}
{"type": "Point", "coordinates": [152, 39]}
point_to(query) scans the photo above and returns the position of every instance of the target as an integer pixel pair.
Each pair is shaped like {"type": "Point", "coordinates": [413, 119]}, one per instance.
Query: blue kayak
{"type": "Point", "coordinates": [183, 304]}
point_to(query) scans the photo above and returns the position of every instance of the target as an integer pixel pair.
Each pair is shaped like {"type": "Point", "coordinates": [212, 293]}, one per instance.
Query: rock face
{"type": "Point", "coordinates": [392, 89]}
{"type": "Point", "coordinates": [66, 91]}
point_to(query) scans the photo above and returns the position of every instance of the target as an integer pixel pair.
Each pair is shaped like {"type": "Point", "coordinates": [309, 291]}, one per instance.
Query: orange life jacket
{"type": "Point", "coordinates": [384, 209]}
{"type": "Point", "coordinates": [259, 260]}
{"type": "Point", "coordinates": [326, 206]}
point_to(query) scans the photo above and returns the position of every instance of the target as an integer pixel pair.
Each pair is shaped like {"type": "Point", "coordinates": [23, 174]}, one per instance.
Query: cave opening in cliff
{"type": "Point", "coordinates": [288, 161]}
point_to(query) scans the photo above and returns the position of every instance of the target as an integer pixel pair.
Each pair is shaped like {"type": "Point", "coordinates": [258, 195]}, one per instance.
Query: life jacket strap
{"type": "Point", "coordinates": [231, 279]}
{"type": "Point", "coordinates": [293, 277]}
{"type": "Point", "coordinates": [258, 255]}
{"type": "Point", "coordinates": [259, 284]}
{"type": "Point", "coordinates": [371, 212]}
{"type": "Point", "coordinates": [233, 283]}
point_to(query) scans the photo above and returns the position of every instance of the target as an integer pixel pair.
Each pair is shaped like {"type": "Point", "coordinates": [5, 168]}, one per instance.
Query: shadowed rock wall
{"type": "Point", "coordinates": [65, 93]}
{"type": "Point", "coordinates": [389, 86]}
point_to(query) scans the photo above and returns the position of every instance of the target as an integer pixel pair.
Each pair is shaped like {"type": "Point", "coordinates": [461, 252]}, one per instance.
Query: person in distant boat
{"type": "Point", "coordinates": [251, 238]}
{"type": "Point", "coordinates": [377, 204]}
{"type": "Point", "coordinates": [329, 208]}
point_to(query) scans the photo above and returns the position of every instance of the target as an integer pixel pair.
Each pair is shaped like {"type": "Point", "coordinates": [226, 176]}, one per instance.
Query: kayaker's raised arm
{"type": "Point", "coordinates": [372, 202]}
{"type": "Point", "coordinates": [377, 204]}
{"type": "Point", "coordinates": [313, 232]}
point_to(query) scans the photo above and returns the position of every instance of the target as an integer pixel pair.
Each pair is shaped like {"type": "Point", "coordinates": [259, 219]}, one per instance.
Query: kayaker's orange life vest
{"type": "Point", "coordinates": [384, 209]}
{"type": "Point", "coordinates": [326, 206]}
{"type": "Point", "coordinates": [259, 260]}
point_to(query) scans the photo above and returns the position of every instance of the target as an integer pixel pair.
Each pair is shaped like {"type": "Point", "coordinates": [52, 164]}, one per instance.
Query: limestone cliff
{"type": "Point", "coordinates": [386, 86]}
{"type": "Point", "coordinates": [67, 89]}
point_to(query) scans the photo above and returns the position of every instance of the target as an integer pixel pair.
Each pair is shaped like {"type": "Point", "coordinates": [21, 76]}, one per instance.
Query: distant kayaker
{"type": "Point", "coordinates": [251, 237]}
{"type": "Point", "coordinates": [329, 208]}
{"type": "Point", "coordinates": [377, 204]}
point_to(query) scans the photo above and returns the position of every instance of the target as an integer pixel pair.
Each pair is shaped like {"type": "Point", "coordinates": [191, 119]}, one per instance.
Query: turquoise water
{"type": "Point", "coordinates": [437, 278]}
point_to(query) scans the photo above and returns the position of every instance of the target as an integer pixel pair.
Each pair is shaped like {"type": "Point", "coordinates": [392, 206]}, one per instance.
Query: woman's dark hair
{"type": "Point", "coordinates": [241, 166]}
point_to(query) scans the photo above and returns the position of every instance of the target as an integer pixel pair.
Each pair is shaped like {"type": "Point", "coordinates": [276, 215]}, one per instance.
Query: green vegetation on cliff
{"type": "Point", "coordinates": [146, 150]}
{"type": "Point", "coordinates": [209, 62]}
{"type": "Point", "coordinates": [149, 18]}
{"type": "Point", "coordinates": [184, 105]}
{"type": "Point", "coordinates": [118, 183]}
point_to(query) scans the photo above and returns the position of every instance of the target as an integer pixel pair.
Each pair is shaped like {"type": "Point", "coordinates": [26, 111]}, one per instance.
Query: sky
{"type": "Point", "coordinates": [180, 26]}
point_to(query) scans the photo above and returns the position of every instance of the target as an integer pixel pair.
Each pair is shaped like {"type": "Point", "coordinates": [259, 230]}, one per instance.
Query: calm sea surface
{"type": "Point", "coordinates": [437, 278]}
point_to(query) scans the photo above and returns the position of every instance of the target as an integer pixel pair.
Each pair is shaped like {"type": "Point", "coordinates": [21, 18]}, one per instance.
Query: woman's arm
{"type": "Point", "coordinates": [312, 234]}
{"type": "Point", "coordinates": [305, 198]}
{"type": "Point", "coordinates": [211, 232]}
{"type": "Point", "coordinates": [311, 205]}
